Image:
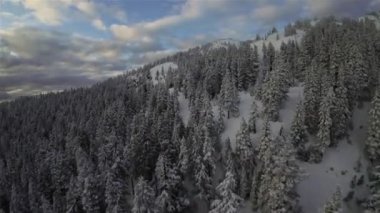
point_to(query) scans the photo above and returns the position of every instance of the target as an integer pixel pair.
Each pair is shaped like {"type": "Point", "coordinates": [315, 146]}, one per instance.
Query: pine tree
{"type": "Point", "coordinates": [117, 189]}
{"type": "Point", "coordinates": [203, 181]}
{"type": "Point", "coordinates": [92, 195]}
{"type": "Point", "coordinates": [228, 201]}
{"type": "Point", "coordinates": [340, 111]}
{"type": "Point", "coordinates": [184, 157]}
{"type": "Point", "coordinates": [220, 121]}
{"type": "Point", "coordinates": [312, 98]}
{"type": "Point", "coordinates": [229, 159]}
{"type": "Point", "coordinates": [298, 134]}
{"type": "Point", "coordinates": [143, 201]}
{"type": "Point", "coordinates": [245, 152]}
{"type": "Point", "coordinates": [373, 139]}
{"type": "Point", "coordinates": [277, 180]}
{"type": "Point", "coordinates": [274, 89]}
{"type": "Point", "coordinates": [373, 202]}
{"type": "Point", "coordinates": [229, 96]}
{"type": "Point", "coordinates": [335, 204]}
{"type": "Point", "coordinates": [325, 124]}
{"type": "Point", "coordinates": [253, 117]}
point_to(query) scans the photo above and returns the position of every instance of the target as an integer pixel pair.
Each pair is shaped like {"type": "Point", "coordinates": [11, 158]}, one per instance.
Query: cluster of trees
{"type": "Point", "coordinates": [122, 146]}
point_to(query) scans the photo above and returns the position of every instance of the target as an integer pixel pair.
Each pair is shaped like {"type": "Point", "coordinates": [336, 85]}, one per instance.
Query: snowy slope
{"type": "Point", "coordinates": [337, 169]}
{"type": "Point", "coordinates": [321, 180]}
{"type": "Point", "coordinates": [375, 17]}
{"type": "Point", "coordinates": [224, 43]}
{"type": "Point", "coordinates": [158, 73]}
{"type": "Point", "coordinates": [277, 42]}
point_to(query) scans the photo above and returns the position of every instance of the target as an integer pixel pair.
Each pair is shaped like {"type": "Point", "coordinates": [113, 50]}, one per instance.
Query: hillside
{"type": "Point", "coordinates": [284, 123]}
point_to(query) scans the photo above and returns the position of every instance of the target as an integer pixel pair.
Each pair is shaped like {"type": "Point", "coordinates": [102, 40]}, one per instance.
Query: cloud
{"type": "Point", "coordinates": [98, 24]}
{"type": "Point", "coordinates": [40, 60]}
{"type": "Point", "coordinates": [45, 11]}
{"type": "Point", "coordinates": [55, 12]}
{"type": "Point", "coordinates": [340, 8]}
{"type": "Point", "coordinates": [190, 10]}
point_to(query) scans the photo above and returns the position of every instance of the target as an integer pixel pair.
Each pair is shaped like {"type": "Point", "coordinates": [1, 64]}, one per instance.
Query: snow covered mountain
{"type": "Point", "coordinates": [284, 123]}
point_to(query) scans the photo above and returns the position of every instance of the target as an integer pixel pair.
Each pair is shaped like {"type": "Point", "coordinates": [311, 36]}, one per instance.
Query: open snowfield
{"type": "Point", "coordinates": [158, 73]}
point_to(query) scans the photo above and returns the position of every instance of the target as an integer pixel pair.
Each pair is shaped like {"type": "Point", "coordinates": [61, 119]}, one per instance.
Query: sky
{"type": "Point", "coordinates": [51, 45]}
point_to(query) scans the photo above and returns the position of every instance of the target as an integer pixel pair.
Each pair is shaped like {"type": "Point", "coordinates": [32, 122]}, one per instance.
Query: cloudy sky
{"type": "Point", "coordinates": [50, 45]}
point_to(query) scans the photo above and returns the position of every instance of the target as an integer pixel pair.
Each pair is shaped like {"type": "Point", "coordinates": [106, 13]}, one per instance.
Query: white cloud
{"type": "Point", "coordinates": [45, 11]}
{"type": "Point", "coordinates": [87, 7]}
{"type": "Point", "coordinates": [98, 24]}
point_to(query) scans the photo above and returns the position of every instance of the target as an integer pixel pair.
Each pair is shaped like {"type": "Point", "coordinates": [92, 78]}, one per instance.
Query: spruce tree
{"type": "Point", "coordinates": [184, 157]}
{"type": "Point", "coordinates": [245, 153]}
{"type": "Point", "coordinates": [335, 204]}
{"type": "Point", "coordinates": [372, 205]}
{"type": "Point", "coordinates": [253, 117]}
{"type": "Point", "coordinates": [143, 201]}
{"type": "Point", "coordinates": [227, 201]}
{"type": "Point", "coordinates": [312, 98]}
{"type": "Point", "coordinates": [340, 111]}
{"type": "Point", "coordinates": [229, 97]}
{"type": "Point", "coordinates": [325, 124]}
{"type": "Point", "coordinates": [373, 139]}
{"type": "Point", "coordinates": [298, 135]}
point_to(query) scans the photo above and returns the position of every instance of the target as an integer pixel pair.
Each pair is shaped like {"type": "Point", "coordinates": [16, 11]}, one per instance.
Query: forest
{"type": "Point", "coordinates": [163, 138]}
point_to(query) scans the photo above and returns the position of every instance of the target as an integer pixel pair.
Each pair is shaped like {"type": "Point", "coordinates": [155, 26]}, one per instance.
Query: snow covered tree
{"type": "Point", "coordinates": [245, 153]}
{"type": "Point", "coordinates": [92, 195]}
{"type": "Point", "coordinates": [228, 201]}
{"type": "Point", "coordinates": [253, 117]}
{"type": "Point", "coordinates": [298, 134]}
{"type": "Point", "coordinates": [169, 187]}
{"type": "Point", "coordinates": [275, 186]}
{"type": "Point", "coordinates": [220, 121]}
{"type": "Point", "coordinates": [312, 98]}
{"type": "Point", "coordinates": [274, 89]}
{"type": "Point", "coordinates": [143, 201]}
{"type": "Point", "coordinates": [229, 158]}
{"type": "Point", "coordinates": [229, 97]}
{"type": "Point", "coordinates": [184, 157]}
{"type": "Point", "coordinates": [373, 139]}
{"type": "Point", "coordinates": [340, 112]}
{"type": "Point", "coordinates": [325, 123]}
{"type": "Point", "coordinates": [203, 181]}
{"type": "Point", "coordinates": [335, 204]}
{"type": "Point", "coordinates": [117, 189]}
{"type": "Point", "coordinates": [372, 204]}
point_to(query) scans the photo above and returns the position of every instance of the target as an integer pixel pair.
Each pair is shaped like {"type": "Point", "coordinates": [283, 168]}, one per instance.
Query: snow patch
{"type": "Point", "coordinates": [337, 169]}
{"type": "Point", "coordinates": [158, 73]}
{"type": "Point", "coordinates": [277, 42]}
{"type": "Point", "coordinates": [224, 43]}
{"type": "Point", "coordinates": [232, 125]}
{"type": "Point", "coordinates": [184, 110]}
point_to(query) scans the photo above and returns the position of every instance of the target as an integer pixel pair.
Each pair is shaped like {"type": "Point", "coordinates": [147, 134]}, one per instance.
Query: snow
{"type": "Point", "coordinates": [375, 17]}
{"type": "Point", "coordinates": [184, 110]}
{"type": "Point", "coordinates": [232, 125]}
{"type": "Point", "coordinates": [224, 43]}
{"type": "Point", "coordinates": [323, 178]}
{"type": "Point", "coordinates": [277, 43]}
{"type": "Point", "coordinates": [320, 180]}
{"type": "Point", "coordinates": [161, 75]}
{"type": "Point", "coordinates": [288, 111]}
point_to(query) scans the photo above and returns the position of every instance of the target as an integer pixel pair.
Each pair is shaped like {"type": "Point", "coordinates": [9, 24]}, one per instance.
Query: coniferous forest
{"type": "Point", "coordinates": [222, 128]}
